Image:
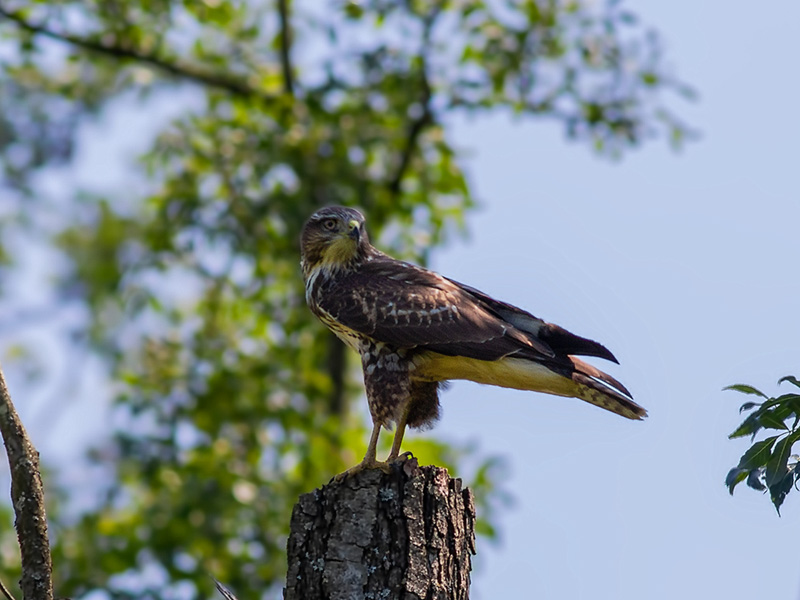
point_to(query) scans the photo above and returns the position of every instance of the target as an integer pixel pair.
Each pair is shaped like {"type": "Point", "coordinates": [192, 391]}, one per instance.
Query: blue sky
{"type": "Point", "coordinates": [684, 265]}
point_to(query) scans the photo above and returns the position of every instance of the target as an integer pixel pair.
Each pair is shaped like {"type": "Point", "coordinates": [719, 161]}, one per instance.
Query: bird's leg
{"type": "Point", "coordinates": [398, 435]}
{"type": "Point", "coordinates": [372, 448]}
{"type": "Point", "coordinates": [369, 461]}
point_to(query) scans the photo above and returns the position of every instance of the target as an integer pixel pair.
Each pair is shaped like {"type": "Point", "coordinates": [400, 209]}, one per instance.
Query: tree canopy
{"type": "Point", "coordinates": [230, 399]}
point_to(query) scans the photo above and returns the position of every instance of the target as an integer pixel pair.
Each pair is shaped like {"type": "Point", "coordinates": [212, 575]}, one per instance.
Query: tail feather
{"type": "Point", "coordinates": [601, 389]}
{"type": "Point", "coordinates": [564, 376]}
{"type": "Point", "coordinates": [566, 342]}
{"type": "Point", "coordinates": [587, 369]}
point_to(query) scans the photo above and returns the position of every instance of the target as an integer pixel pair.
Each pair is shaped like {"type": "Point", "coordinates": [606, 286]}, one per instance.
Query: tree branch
{"type": "Point", "coordinates": [425, 116]}
{"type": "Point", "coordinates": [286, 44]}
{"type": "Point", "coordinates": [226, 593]}
{"type": "Point", "coordinates": [415, 128]}
{"type": "Point", "coordinates": [27, 497]}
{"type": "Point", "coordinates": [183, 70]}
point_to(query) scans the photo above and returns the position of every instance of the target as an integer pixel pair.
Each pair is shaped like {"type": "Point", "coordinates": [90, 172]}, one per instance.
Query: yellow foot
{"type": "Point", "coordinates": [362, 466]}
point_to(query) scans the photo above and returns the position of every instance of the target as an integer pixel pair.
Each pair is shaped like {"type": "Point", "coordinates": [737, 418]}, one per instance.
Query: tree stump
{"type": "Point", "coordinates": [407, 535]}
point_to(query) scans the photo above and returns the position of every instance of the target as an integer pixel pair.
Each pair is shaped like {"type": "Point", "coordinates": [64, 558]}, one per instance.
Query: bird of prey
{"type": "Point", "coordinates": [415, 329]}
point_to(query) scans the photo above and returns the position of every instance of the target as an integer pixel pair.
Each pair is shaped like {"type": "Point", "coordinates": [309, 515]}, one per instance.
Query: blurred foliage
{"type": "Point", "coordinates": [769, 465]}
{"type": "Point", "coordinates": [231, 400]}
{"type": "Point", "coordinates": [9, 554]}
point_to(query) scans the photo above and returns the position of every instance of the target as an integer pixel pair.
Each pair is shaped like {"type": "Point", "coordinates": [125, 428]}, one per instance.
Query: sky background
{"type": "Point", "coordinates": [684, 265]}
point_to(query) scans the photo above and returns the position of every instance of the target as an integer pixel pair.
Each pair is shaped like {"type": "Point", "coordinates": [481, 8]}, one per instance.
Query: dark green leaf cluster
{"type": "Point", "coordinates": [769, 463]}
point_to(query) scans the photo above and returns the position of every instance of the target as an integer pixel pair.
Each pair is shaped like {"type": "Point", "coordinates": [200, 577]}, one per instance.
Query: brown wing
{"type": "Point", "coordinates": [403, 305]}
{"type": "Point", "coordinates": [558, 338]}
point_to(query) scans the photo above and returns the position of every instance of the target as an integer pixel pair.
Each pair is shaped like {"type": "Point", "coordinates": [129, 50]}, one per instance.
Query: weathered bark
{"type": "Point", "coordinates": [408, 535]}
{"type": "Point", "coordinates": [27, 497]}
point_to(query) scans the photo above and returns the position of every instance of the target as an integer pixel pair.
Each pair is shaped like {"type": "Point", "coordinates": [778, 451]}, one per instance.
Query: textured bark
{"type": "Point", "coordinates": [408, 535]}
{"type": "Point", "coordinates": [27, 497]}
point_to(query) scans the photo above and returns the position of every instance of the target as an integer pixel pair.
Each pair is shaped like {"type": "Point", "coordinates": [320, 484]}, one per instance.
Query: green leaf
{"type": "Point", "coordinates": [750, 426]}
{"type": "Point", "coordinates": [777, 465]}
{"type": "Point", "coordinates": [757, 455]}
{"type": "Point", "coordinates": [353, 10]}
{"type": "Point", "coordinates": [771, 420]}
{"type": "Point", "coordinates": [735, 477]}
{"type": "Point", "coordinates": [745, 389]}
{"type": "Point", "coordinates": [788, 398]}
{"type": "Point", "coordinates": [748, 406]}
{"type": "Point", "coordinates": [791, 379]}
{"type": "Point", "coordinates": [649, 79]}
{"type": "Point", "coordinates": [781, 488]}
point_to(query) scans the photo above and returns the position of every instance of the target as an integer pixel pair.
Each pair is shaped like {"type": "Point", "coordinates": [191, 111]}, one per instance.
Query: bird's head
{"type": "Point", "coordinates": [333, 237]}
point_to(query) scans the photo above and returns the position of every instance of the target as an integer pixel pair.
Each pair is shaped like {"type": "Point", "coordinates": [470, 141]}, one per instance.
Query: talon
{"type": "Point", "coordinates": [362, 466]}
{"type": "Point", "coordinates": [407, 455]}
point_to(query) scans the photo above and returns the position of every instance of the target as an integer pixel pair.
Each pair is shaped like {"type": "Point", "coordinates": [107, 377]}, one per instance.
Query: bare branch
{"type": "Point", "coordinates": [425, 115]}
{"type": "Point", "coordinates": [27, 498]}
{"type": "Point", "coordinates": [286, 44]}
{"type": "Point", "coordinates": [415, 128]}
{"type": "Point", "coordinates": [226, 593]}
{"type": "Point", "coordinates": [192, 72]}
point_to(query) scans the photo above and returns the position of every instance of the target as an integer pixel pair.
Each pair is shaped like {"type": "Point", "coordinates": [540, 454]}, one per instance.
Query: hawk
{"type": "Point", "coordinates": [415, 329]}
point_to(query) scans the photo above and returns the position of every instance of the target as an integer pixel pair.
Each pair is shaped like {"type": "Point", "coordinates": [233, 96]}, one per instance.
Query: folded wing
{"type": "Point", "coordinates": [408, 307]}
{"type": "Point", "coordinates": [405, 306]}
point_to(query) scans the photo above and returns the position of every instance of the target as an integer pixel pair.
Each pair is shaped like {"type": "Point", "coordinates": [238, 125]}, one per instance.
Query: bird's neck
{"type": "Point", "coordinates": [331, 264]}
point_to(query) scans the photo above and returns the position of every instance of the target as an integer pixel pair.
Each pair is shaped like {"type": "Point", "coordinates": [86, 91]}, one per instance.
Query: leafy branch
{"type": "Point", "coordinates": [177, 68]}
{"type": "Point", "coordinates": [231, 184]}
{"type": "Point", "coordinates": [768, 464]}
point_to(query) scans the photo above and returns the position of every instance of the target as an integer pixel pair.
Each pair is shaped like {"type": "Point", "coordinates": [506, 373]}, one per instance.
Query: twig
{"type": "Point", "coordinates": [286, 44]}
{"type": "Point", "coordinates": [27, 498]}
{"type": "Point", "coordinates": [180, 69]}
{"type": "Point", "coordinates": [226, 593]}
{"type": "Point", "coordinates": [5, 591]}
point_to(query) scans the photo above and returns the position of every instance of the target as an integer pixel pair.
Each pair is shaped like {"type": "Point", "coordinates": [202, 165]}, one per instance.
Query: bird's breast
{"type": "Point", "coordinates": [315, 287]}
{"type": "Point", "coordinates": [351, 338]}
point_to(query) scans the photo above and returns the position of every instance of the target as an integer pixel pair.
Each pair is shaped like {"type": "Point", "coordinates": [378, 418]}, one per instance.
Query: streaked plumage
{"type": "Point", "coordinates": [415, 329]}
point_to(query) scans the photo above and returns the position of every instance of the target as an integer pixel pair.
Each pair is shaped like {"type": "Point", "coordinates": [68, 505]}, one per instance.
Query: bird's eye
{"type": "Point", "coordinates": [329, 224]}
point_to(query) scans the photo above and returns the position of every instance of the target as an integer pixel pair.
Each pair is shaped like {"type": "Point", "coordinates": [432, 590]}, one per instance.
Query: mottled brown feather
{"type": "Point", "coordinates": [402, 305]}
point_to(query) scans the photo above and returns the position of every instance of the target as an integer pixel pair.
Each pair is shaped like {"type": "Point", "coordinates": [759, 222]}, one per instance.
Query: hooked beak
{"type": "Point", "coordinates": [355, 230]}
